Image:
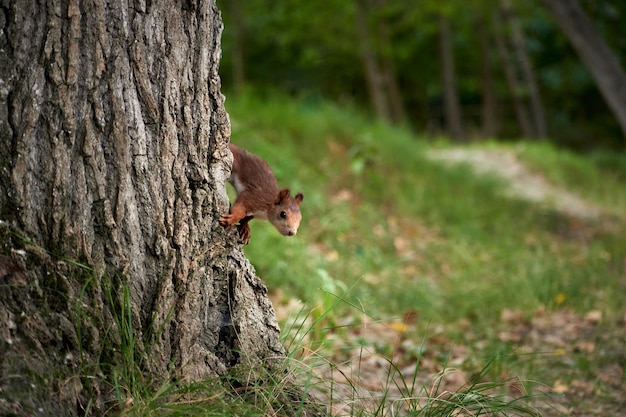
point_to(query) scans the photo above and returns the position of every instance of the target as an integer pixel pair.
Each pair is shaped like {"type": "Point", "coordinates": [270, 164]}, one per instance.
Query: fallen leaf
{"type": "Point", "coordinates": [452, 380]}
{"type": "Point", "coordinates": [560, 387]}
{"type": "Point", "coordinates": [401, 244]}
{"type": "Point", "coordinates": [506, 336]}
{"type": "Point", "coordinates": [512, 316]}
{"type": "Point", "coordinates": [398, 326]}
{"type": "Point", "coordinates": [332, 255]}
{"type": "Point", "coordinates": [410, 316]}
{"type": "Point", "coordinates": [343, 195]}
{"type": "Point", "coordinates": [585, 346]}
{"type": "Point", "coordinates": [594, 316]}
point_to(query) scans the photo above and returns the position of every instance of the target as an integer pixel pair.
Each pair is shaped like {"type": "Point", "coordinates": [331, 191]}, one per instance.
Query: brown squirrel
{"type": "Point", "coordinates": [258, 196]}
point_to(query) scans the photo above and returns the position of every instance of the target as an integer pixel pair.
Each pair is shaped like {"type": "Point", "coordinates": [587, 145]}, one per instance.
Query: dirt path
{"type": "Point", "coordinates": [523, 183]}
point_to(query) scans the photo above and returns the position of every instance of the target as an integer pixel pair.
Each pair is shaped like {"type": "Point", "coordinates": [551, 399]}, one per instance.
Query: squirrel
{"type": "Point", "coordinates": [258, 196]}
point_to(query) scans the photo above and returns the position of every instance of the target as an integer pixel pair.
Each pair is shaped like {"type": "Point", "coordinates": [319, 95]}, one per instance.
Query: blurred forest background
{"type": "Point", "coordinates": [429, 240]}
{"type": "Point", "coordinates": [499, 69]}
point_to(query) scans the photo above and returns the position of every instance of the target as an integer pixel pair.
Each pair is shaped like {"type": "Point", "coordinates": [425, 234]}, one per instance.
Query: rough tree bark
{"type": "Point", "coordinates": [113, 154]}
{"type": "Point", "coordinates": [601, 61]}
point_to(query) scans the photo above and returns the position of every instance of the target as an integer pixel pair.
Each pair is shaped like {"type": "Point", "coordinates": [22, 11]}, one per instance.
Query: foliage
{"type": "Point", "coordinates": [313, 49]}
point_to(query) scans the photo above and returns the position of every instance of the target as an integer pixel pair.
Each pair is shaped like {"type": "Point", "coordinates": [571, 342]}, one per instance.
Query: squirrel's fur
{"type": "Point", "coordinates": [258, 196]}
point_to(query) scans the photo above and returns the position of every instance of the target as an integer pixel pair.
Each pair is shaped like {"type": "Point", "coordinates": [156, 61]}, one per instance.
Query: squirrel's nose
{"type": "Point", "coordinates": [291, 232]}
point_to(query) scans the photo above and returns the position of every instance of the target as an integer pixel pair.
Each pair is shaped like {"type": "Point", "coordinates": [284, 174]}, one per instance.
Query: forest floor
{"type": "Point", "coordinates": [602, 392]}
{"type": "Point", "coordinates": [363, 375]}
{"type": "Point", "coordinates": [584, 357]}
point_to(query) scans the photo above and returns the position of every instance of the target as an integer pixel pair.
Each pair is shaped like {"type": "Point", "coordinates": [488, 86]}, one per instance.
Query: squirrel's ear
{"type": "Point", "coordinates": [299, 197]}
{"type": "Point", "coordinates": [282, 196]}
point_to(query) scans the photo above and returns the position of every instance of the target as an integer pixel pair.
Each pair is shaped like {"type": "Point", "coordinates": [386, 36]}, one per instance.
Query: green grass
{"type": "Point", "coordinates": [389, 231]}
{"type": "Point", "coordinates": [416, 235]}
{"type": "Point", "coordinates": [292, 391]}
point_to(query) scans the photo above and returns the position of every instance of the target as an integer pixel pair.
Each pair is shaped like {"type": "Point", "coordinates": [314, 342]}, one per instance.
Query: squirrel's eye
{"type": "Point", "coordinates": [283, 215]}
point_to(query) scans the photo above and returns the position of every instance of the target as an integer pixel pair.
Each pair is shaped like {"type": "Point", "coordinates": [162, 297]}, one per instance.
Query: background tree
{"type": "Point", "coordinates": [385, 46]}
{"type": "Point", "coordinates": [301, 48]}
{"type": "Point", "coordinates": [516, 87]}
{"type": "Point", "coordinates": [489, 118]}
{"type": "Point", "coordinates": [113, 157]}
{"type": "Point", "coordinates": [371, 65]}
{"type": "Point", "coordinates": [526, 71]}
{"type": "Point", "coordinates": [595, 53]}
{"type": "Point", "coordinates": [453, 118]}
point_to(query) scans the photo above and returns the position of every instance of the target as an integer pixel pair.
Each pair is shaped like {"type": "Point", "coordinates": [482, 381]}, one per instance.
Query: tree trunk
{"type": "Point", "coordinates": [398, 114]}
{"type": "Point", "coordinates": [114, 156]}
{"type": "Point", "coordinates": [373, 75]}
{"type": "Point", "coordinates": [527, 72]}
{"type": "Point", "coordinates": [512, 81]}
{"type": "Point", "coordinates": [489, 105]}
{"type": "Point", "coordinates": [601, 61]}
{"type": "Point", "coordinates": [452, 109]}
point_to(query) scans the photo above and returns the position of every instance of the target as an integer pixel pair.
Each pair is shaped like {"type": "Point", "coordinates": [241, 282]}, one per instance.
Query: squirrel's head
{"type": "Point", "coordinates": [284, 214]}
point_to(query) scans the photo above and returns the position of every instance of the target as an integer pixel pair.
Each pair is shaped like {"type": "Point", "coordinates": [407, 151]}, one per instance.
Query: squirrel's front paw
{"type": "Point", "coordinates": [244, 233]}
